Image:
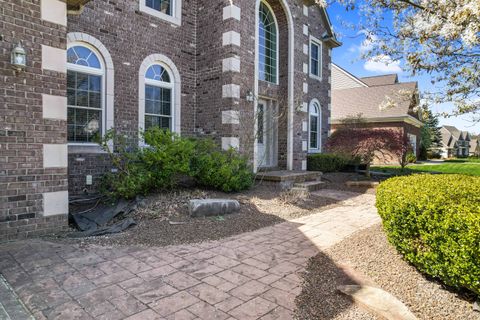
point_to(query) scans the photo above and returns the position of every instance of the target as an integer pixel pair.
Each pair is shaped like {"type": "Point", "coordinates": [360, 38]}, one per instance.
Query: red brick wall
{"type": "Point", "coordinates": [23, 131]}
{"type": "Point", "coordinates": [402, 126]}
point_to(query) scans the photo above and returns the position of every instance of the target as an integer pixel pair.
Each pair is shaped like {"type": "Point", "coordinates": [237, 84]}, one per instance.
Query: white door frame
{"type": "Point", "coordinates": [267, 150]}
{"type": "Point", "coordinates": [291, 71]}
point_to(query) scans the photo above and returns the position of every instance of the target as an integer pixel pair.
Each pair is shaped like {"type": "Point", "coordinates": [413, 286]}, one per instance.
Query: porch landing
{"type": "Point", "coordinates": [287, 179]}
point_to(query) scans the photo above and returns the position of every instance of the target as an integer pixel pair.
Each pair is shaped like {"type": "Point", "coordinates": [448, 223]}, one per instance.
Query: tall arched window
{"type": "Point", "coordinates": [85, 94]}
{"type": "Point", "coordinates": [267, 45]}
{"type": "Point", "coordinates": [158, 98]}
{"type": "Point", "coordinates": [314, 127]}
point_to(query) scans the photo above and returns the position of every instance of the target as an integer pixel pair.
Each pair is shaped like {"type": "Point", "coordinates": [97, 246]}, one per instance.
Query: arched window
{"type": "Point", "coordinates": [85, 94]}
{"type": "Point", "coordinates": [267, 45]}
{"type": "Point", "coordinates": [314, 127]}
{"type": "Point", "coordinates": [158, 98]}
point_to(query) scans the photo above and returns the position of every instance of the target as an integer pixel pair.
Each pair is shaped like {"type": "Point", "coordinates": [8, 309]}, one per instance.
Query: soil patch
{"type": "Point", "coordinates": [369, 253]}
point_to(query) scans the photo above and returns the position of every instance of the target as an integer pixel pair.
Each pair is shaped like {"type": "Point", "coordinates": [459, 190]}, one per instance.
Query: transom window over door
{"type": "Point", "coordinates": [314, 129]}
{"type": "Point", "coordinates": [85, 112]}
{"type": "Point", "coordinates": [267, 45]}
{"type": "Point", "coordinates": [158, 98]}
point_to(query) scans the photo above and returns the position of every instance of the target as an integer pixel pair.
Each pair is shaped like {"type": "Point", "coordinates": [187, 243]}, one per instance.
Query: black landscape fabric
{"type": "Point", "coordinates": [94, 222]}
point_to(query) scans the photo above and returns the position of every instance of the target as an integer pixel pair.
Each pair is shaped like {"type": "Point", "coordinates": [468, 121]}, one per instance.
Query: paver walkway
{"type": "Point", "coordinates": [254, 275]}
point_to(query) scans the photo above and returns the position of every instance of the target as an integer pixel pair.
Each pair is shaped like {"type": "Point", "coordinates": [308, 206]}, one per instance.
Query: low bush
{"type": "Point", "coordinates": [329, 162]}
{"type": "Point", "coordinates": [411, 158]}
{"type": "Point", "coordinates": [224, 170]}
{"type": "Point", "coordinates": [433, 155]}
{"type": "Point", "coordinates": [434, 222]}
{"type": "Point", "coordinates": [166, 159]}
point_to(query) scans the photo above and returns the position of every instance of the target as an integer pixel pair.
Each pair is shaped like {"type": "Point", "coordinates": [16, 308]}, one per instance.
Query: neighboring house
{"type": "Point", "coordinates": [455, 143]}
{"type": "Point", "coordinates": [217, 68]}
{"type": "Point", "coordinates": [381, 101]}
{"type": "Point", "coordinates": [475, 146]}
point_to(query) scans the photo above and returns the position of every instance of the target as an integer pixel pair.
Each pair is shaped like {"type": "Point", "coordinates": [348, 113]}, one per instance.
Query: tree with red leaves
{"type": "Point", "coordinates": [368, 144]}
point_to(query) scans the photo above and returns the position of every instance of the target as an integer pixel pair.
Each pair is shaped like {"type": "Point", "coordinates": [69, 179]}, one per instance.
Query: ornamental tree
{"type": "Point", "coordinates": [368, 144]}
{"type": "Point", "coordinates": [435, 37]}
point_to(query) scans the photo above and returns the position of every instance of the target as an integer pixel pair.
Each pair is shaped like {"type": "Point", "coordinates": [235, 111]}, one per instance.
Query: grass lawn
{"type": "Point", "coordinates": [464, 160]}
{"type": "Point", "coordinates": [469, 168]}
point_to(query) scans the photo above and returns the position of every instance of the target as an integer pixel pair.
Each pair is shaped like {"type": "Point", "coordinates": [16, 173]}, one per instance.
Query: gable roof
{"type": "Point", "coordinates": [368, 101]}
{"type": "Point", "coordinates": [342, 79]}
{"type": "Point", "coordinates": [474, 145]}
{"type": "Point", "coordinates": [448, 140]}
{"type": "Point", "coordinates": [457, 134]}
{"type": "Point", "coordinates": [330, 37]}
{"type": "Point", "coordinates": [380, 80]}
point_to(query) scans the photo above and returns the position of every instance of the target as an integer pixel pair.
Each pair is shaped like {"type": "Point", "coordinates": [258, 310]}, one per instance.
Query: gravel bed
{"type": "Point", "coordinates": [164, 218]}
{"type": "Point", "coordinates": [370, 254]}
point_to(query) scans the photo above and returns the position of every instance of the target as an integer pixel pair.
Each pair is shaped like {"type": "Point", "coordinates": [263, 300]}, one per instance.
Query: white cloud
{"type": "Point", "coordinates": [382, 64]}
{"type": "Point", "coordinates": [368, 44]}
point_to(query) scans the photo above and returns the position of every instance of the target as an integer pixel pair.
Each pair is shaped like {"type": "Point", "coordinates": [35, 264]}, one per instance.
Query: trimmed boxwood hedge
{"type": "Point", "coordinates": [434, 222]}
{"type": "Point", "coordinates": [329, 162]}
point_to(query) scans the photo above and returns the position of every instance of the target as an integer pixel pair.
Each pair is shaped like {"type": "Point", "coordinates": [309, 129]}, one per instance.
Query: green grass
{"type": "Point", "coordinates": [464, 160]}
{"type": "Point", "coordinates": [468, 168]}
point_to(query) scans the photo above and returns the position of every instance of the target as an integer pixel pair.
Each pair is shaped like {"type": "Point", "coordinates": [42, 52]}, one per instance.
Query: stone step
{"type": "Point", "coordinates": [286, 179]}
{"type": "Point", "coordinates": [310, 185]}
{"type": "Point", "coordinates": [289, 175]}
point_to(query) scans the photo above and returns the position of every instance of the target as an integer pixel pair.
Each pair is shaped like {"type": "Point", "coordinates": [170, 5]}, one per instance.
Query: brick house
{"type": "Point", "coordinates": [475, 146]}
{"type": "Point", "coordinates": [225, 69]}
{"type": "Point", "coordinates": [381, 101]}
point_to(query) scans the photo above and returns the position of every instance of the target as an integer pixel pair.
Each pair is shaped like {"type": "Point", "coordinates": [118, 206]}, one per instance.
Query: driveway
{"type": "Point", "coordinates": [254, 275]}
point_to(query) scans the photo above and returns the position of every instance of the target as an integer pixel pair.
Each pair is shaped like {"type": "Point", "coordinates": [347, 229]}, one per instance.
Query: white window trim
{"type": "Point", "coordinates": [175, 18]}
{"type": "Point", "coordinates": [163, 85]}
{"type": "Point", "coordinates": [277, 71]}
{"type": "Point", "coordinates": [174, 84]}
{"type": "Point", "coordinates": [86, 40]}
{"type": "Point", "coordinates": [319, 132]}
{"type": "Point", "coordinates": [319, 43]}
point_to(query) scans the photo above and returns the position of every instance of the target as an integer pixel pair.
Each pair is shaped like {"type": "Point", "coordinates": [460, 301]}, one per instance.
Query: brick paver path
{"type": "Point", "coordinates": [254, 275]}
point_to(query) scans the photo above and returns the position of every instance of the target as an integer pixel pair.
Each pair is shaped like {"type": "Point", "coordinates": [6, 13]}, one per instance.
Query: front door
{"type": "Point", "coordinates": [266, 134]}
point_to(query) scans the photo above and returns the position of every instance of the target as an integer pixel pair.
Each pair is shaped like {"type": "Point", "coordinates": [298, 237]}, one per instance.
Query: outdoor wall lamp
{"type": "Point", "coordinates": [19, 58]}
{"type": "Point", "coordinates": [250, 97]}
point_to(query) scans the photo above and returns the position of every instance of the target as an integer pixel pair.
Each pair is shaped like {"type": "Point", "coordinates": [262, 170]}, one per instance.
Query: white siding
{"type": "Point", "coordinates": [342, 80]}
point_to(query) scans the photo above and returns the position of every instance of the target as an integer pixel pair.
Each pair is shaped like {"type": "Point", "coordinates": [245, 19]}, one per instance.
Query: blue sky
{"type": "Point", "coordinates": [348, 57]}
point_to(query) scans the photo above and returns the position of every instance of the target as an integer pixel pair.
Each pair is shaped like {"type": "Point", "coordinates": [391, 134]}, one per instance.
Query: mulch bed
{"type": "Point", "coordinates": [370, 254]}
{"type": "Point", "coordinates": [164, 220]}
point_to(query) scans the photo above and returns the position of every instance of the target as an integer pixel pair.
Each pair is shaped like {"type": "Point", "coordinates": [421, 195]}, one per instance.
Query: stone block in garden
{"type": "Point", "coordinates": [213, 207]}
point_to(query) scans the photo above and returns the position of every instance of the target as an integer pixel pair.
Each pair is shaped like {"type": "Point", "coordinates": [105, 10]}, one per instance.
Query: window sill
{"type": "Point", "coordinates": [312, 76]}
{"type": "Point", "coordinates": [77, 148]}
{"type": "Point", "coordinates": [313, 151]}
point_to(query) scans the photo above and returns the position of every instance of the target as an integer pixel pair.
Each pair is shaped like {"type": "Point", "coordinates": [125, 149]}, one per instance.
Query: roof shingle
{"type": "Point", "coordinates": [368, 101]}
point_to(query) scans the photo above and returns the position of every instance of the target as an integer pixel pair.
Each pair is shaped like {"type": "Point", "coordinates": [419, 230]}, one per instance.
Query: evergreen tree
{"type": "Point", "coordinates": [432, 127]}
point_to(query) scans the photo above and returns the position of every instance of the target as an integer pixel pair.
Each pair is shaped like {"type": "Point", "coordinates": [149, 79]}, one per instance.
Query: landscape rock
{"type": "Point", "coordinates": [213, 207]}
{"type": "Point", "coordinates": [378, 302]}
{"type": "Point", "coordinates": [476, 306]}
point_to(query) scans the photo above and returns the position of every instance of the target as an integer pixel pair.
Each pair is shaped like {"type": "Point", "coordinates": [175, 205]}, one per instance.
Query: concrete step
{"type": "Point", "coordinates": [289, 175]}
{"type": "Point", "coordinates": [310, 185]}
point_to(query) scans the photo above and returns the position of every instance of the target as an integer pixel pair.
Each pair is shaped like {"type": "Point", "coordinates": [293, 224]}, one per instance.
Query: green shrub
{"type": "Point", "coordinates": [411, 158]}
{"type": "Point", "coordinates": [224, 170]}
{"type": "Point", "coordinates": [434, 222]}
{"type": "Point", "coordinates": [328, 162]}
{"type": "Point", "coordinates": [168, 157]}
{"type": "Point", "coordinates": [433, 155]}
